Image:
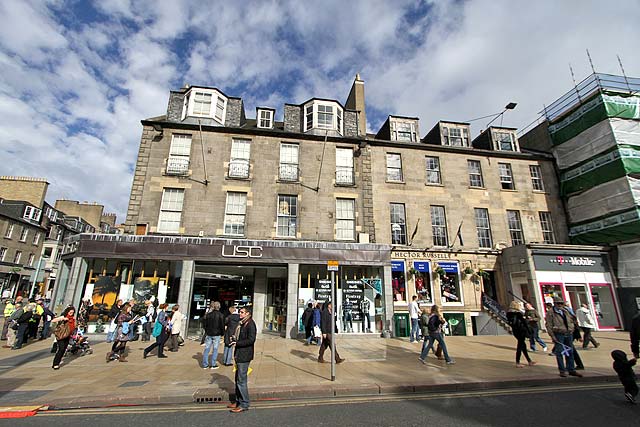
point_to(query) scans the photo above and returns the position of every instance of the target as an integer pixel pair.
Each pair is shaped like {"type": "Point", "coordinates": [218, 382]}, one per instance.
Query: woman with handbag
{"type": "Point", "coordinates": [521, 331]}
{"type": "Point", "coordinates": [161, 332]}
{"type": "Point", "coordinates": [66, 325]}
{"type": "Point", "coordinates": [122, 335]}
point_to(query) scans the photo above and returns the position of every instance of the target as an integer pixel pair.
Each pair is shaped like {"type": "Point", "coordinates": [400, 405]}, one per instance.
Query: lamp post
{"type": "Point", "coordinates": [35, 277]}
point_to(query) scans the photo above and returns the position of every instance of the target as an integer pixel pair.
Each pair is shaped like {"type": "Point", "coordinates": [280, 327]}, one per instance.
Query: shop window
{"type": "Point", "coordinates": [450, 291]}
{"type": "Point", "coordinates": [422, 282]}
{"type": "Point", "coordinates": [398, 282]}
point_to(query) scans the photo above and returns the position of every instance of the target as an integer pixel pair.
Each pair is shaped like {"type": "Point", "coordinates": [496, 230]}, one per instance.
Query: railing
{"type": "Point", "coordinates": [344, 176]}
{"type": "Point", "coordinates": [288, 172]}
{"type": "Point", "coordinates": [492, 306]}
{"type": "Point", "coordinates": [239, 169]}
{"type": "Point", "coordinates": [177, 166]}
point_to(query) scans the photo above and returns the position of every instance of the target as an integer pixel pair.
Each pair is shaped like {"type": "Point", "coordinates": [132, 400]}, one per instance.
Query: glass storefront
{"type": "Point", "coordinates": [606, 314]}
{"type": "Point", "coordinates": [450, 291]}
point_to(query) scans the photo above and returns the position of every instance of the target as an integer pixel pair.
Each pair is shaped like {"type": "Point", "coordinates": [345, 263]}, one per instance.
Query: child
{"type": "Point", "coordinates": [624, 369]}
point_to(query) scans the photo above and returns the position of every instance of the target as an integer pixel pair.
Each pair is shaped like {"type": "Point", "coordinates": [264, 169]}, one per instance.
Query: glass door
{"type": "Point", "coordinates": [577, 295]}
{"type": "Point", "coordinates": [604, 305]}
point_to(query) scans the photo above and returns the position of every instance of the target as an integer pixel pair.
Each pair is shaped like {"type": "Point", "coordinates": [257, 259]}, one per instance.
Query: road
{"type": "Point", "coordinates": [589, 405]}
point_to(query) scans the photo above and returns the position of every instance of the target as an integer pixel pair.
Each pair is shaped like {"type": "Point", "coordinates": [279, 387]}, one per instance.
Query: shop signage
{"type": "Point", "coordinates": [449, 267]}
{"type": "Point", "coordinates": [422, 266]}
{"type": "Point", "coordinates": [420, 255]}
{"type": "Point", "coordinates": [323, 291]}
{"type": "Point", "coordinates": [573, 260]}
{"type": "Point", "coordinates": [332, 265]}
{"type": "Point", "coordinates": [570, 262]}
{"type": "Point", "coordinates": [242, 251]}
{"type": "Point", "coordinates": [397, 265]}
{"type": "Point", "coordinates": [352, 296]}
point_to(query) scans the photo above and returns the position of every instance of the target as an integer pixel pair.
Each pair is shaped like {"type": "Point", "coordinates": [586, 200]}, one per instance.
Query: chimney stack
{"type": "Point", "coordinates": [355, 101]}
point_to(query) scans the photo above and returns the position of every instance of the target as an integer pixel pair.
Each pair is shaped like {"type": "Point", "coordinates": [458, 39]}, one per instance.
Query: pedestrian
{"type": "Point", "coordinates": [520, 330]}
{"type": "Point", "coordinates": [34, 322]}
{"type": "Point", "coordinates": [83, 313]}
{"type": "Point", "coordinates": [213, 330]}
{"type": "Point", "coordinates": [243, 339]}
{"type": "Point", "coordinates": [9, 308]}
{"type": "Point", "coordinates": [327, 334]}
{"type": "Point", "coordinates": [176, 328]}
{"type": "Point", "coordinates": [149, 317]}
{"type": "Point", "coordinates": [23, 326]}
{"type": "Point", "coordinates": [587, 325]}
{"type": "Point", "coordinates": [634, 335]}
{"type": "Point", "coordinates": [12, 332]}
{"type": "Point", "coordinates": [66, 316]}
{"type": "Point", "coordinates": [317, 322]}
{"type": "Point", "coordinates": [414, 313]}
{"type": "Point", "coordinates": [160, 332]}
{"type": "Point", "coordinates": [533, 319]}
{"type": "Point", "coordinates": [624, 369]}
{"type": "Point", "coordinates": [230, 322]}
{"type": "Point", "coordinates": [113, 315]}
{"type": "Point", "coordinates": [423, 321]}
{"type": "Point", "coordinates": [561, 325]}
{"type": "Point", "coordinates": [122, 335]}
{"type": "Point", "coordinates": [307, 322]}
{"type": "Point", "coordinates": [47, 315]}
{"type": "Point", "coordinates": [435, 321]}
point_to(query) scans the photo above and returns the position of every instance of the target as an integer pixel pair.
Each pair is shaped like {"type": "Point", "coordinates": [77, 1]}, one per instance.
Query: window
{"type": "Point", "coordinates": [3, 253]}
{"type": "Point", "coordinates": [394, 167]}
{"type": "Point", "coordinates": [505, 141]}
{"type": "Point", "coordinates": [403, 131]}
{"type": "Point", "coordinates": [536, 178]}
{"type": "Point", "coordinates": [51, 213]}
{"type": "Point", "coordinates": [287, 216]}
{"type": "Point", "coordinates": [288, 162]}
{"type": "Point", "coordinates": [515, 228]}
{"type": "Point", "coordinates": [179, 152]}
{"type": "Point", "coordinates": [47, 252]}
{"type": "Point", "coordinates": [547, 228]}
{"type": "Point", "coordinates": [170, 210]}
{"type": "Point", "coordinates": [205, 103]}
{"type": "Point", "coordinates": [506, 177]}
{"type": "Point", "coordinates": [235, 213]}
{"type": "Point", "coordinates": [344, 166]}
{"type": "Point", "coordinates": [240, 155]}
{"type": "Point", "coordinates": [9, 231]}
{"type": "Point", "coordinates": [475, 174]}
{"type": "Point", "coordinates": [30, 260]}
{"type": "Point", "coordinates": [455, 137]}
{"type": "Point", "coordinates": [483, 227]}
{"type": "Point", "coordinates": [32, 213]}
{"type": "Point", "coordinates": [439, 226]}
{"type": "Point", "coordinates": [36, 238]}
{"type": "Point", "coordinates": [398, 224]}
{"type": "Point", "coordinates": [16, 258]}
{"type": "Point", "coordinates": [24, 234]}
{"type": "Point", "coordinates": [433, 170]}
{"type": "Point", "coordinates": [323, 115]}
{"type": "Point", "coordinates": [265, 119]}
{"type": "Point", "coordinates": [345, 219]}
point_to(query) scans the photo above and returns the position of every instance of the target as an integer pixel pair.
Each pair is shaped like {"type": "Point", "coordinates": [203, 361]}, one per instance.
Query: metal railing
{"type": "Point", "coordinates": [177, 166]}
{"type": "Point", "coordinates": [239, 168]}
{"type": "Point", "coordinates": [288, 172]}
{"type": "Point", "coordinates": [494, 307]}
{"type": "Point", "coordinates": [345, 176]}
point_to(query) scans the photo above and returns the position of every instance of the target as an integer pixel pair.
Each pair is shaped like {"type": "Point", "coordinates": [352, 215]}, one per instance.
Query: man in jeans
{"type": "Point", "coordinates": [414, 313]}
{"type": "Point", "coordinates": [243, 339]}
{"type": "Point", "coordinates": [587, 324]}
{"type": "Point", "coordinates": [560, 326]}
{"type": "Point", "coordinates": [213, 330]}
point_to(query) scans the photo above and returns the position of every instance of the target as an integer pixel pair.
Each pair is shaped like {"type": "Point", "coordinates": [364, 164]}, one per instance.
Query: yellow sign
{"type": "Point", "coordinates": [332, 265]}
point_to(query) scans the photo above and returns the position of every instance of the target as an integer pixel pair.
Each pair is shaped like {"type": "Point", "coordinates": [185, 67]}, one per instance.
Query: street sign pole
{"type": "Point", "coordinates": [333, 326]}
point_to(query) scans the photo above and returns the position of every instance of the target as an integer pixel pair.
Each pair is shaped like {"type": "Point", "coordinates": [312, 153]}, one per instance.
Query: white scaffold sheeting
{"type": "Point", "coordinates": [597, 139]}
{"type": "Point", "coordinates": [620, 194]}
{"type": "Point", "coordinates": [629, 265]}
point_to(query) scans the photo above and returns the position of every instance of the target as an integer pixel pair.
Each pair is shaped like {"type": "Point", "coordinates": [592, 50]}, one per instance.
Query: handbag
{"type": "Point", "coordinates": [62, 330]}
{"type": "Point", "coordinates": [317, 332]}
{"type": "Point", "coordinates": [157, 330]}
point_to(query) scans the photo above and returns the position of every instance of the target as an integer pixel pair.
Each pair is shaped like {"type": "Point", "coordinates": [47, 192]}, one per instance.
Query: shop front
{"type": "Point", "coordinates": [577, 274]}
{"type": "Point", "coordinates": [275, 278]}
{"type": "Point", "coordinates": [453, 280]}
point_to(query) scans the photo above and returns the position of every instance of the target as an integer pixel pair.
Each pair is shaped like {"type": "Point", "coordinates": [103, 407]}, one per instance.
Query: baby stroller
{"type": "Point", "coordinates": [79, 344]}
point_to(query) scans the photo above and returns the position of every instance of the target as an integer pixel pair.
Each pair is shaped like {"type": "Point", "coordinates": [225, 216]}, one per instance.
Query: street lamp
{"type": "Point", "coordinates": [509, 106]}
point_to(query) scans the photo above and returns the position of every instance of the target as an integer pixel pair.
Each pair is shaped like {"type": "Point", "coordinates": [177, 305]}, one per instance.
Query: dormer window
{"type": "Point", "coordinates": [505, 141]}
{"type": "Point", "coordinates": [265, 118]}
{"type": "Point", "coordinates": [207, 103]}
{"type": "Point", "coordinates": [32, 213]}
{"type": "Point", "coordinates": [455, 136]}
{"type": "Point", "coordinates": [323, 115]}
{"type": "Point", "coordinates": [404, 131]}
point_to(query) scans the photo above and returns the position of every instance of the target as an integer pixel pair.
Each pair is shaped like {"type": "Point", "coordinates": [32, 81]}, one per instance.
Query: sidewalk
{"type": "Point", "coordinates": [285, 369]}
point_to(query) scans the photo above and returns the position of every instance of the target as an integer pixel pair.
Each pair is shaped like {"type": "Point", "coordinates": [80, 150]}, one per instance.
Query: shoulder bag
{"type": "Point", "coordinates": [62, 330]}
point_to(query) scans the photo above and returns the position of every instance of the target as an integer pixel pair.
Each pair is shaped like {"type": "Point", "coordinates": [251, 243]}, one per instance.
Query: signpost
{"type": "Point", "coordinates": [332, 266]}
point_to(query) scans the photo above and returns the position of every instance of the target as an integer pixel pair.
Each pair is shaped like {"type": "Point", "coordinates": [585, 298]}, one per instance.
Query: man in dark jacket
{"type": "Point", "coordinates": [634, 334]}
{"type": "Point", "coordinates": [213, 330]}
{"type": "Point", "coordinates": [243, 339]}
{"type": "Point", "coordinates": [307, 322]}
{"type": "Point", "coordinates": [327, 334]}
{"type": "Point", "coordinates": [230, 322]}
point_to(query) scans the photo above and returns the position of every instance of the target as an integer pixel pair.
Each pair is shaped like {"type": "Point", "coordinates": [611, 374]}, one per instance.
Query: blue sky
{"type": "Point", "coordinates": [76, 77]}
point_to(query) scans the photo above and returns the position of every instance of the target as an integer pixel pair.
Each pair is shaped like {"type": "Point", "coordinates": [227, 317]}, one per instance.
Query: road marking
{"type": "Point", "coordinates": [262, 405]}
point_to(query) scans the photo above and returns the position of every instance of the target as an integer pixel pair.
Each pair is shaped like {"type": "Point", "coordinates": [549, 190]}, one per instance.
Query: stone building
{"type": "Point", "coordinates": [251, 211]}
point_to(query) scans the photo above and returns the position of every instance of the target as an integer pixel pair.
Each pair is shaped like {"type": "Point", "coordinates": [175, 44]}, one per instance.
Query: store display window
{"type": "Point", "coordinates": [422, 282]}
{"type": "Point", "coordinates": [449, 275]}
{"type": "Point", "coordinates": [398, 282]}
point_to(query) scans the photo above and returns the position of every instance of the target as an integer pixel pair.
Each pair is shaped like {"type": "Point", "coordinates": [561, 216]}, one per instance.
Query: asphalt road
{"type": "Point", "coordinates": [593, 405]}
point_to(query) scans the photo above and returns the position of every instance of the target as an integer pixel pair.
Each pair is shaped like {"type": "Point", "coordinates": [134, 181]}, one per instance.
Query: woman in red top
{"type": "Point", "coordinates": [67, 316]}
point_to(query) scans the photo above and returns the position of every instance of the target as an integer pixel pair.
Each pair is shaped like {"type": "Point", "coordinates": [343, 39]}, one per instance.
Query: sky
{"type": "Point", "coordinates": [76, 77]}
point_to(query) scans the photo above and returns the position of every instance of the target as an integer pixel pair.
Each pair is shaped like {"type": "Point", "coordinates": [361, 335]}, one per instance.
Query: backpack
{"type": "Point", "coordinates": [433, 324]}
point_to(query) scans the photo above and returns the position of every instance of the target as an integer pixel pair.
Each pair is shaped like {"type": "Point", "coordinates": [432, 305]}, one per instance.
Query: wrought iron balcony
{"type": "Point", "coordinates": [288, 172]}
{"type": "Point", "coordinates": [239, 168]}
{"type": "Point", "coordinates": [345, 176]}
{"type": "Point", "coordinates": [177, 166]}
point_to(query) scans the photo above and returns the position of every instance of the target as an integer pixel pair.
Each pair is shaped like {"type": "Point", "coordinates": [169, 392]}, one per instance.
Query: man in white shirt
{"type": "Point", "coordinates": [414, 313]}
{"type": "Point", "coordinates": [587, 324]}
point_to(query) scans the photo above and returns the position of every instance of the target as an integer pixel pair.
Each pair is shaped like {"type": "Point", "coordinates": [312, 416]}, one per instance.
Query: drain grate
{"type": "Point", "coordinates": [210, 395]}
{"type": "Point", "coordinates": [210, 399]}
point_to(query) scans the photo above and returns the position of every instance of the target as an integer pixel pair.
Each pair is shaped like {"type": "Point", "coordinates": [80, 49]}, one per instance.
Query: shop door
{"type": "Point", "coordinates": [456, 324]}
{"type": "Point", "coordinates": [577, 294]}
{"type": "Point", "coordinates": [604, 305]}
